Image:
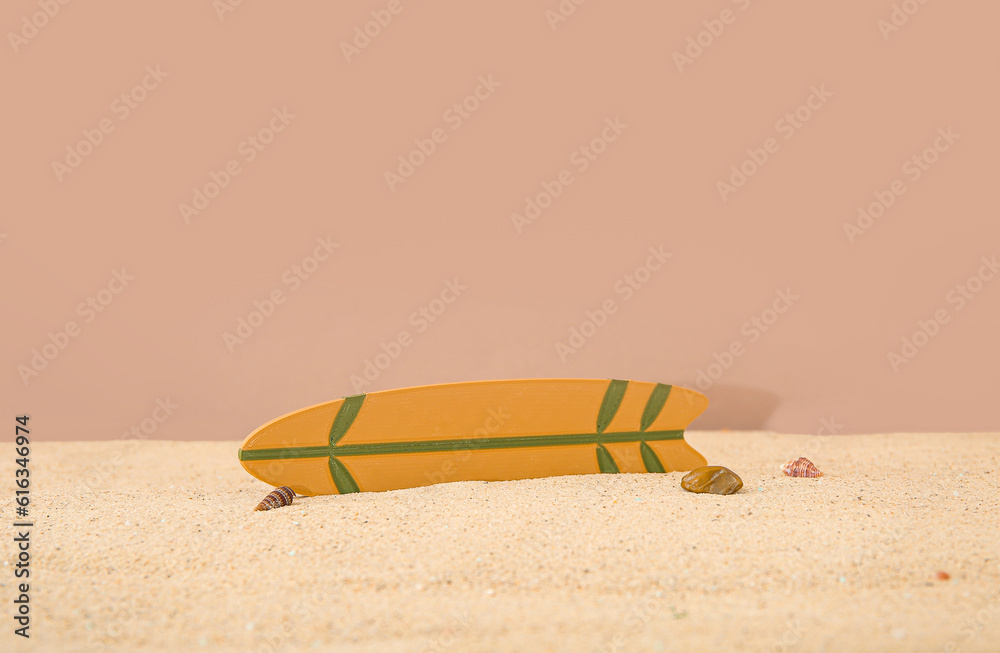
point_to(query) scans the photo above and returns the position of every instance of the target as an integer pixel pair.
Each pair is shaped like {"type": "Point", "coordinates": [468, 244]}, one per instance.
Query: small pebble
{"type": "Point", "coordinates": [942, 575]}
{"type": "Point", "coordinates": [714, 480]}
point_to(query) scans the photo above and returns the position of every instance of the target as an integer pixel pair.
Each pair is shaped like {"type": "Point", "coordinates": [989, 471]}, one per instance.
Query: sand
{"type": "Point", "coordinates": [152, 546]}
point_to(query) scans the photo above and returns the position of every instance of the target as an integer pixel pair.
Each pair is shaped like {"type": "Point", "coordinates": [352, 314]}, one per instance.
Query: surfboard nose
{"type": "Point", "coordinates": [293, 450]}
{"type": "Point", "coordinates": [306, 476]}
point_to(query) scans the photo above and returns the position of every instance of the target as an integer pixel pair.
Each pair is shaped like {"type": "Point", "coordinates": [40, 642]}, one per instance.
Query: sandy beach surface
{"type": "Point", "coordinates": [153, 546]}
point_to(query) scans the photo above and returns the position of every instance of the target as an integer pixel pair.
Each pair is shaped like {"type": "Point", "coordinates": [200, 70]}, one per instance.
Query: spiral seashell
{"type": "Point", "coordinates": [801, 467]}
{"type": "Point", "coordinates": [280, 496]}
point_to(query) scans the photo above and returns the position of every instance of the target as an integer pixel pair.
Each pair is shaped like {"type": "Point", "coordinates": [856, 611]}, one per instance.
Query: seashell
{"type": "Point", "coordinates": [280, 496]}
{"type": "Point", "coordinates": [714, 480]}
{"type": "Point", "coordinates": [801, 467]}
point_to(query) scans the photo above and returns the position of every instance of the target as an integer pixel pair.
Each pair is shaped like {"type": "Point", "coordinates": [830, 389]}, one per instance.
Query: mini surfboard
{"type": "Point", "coordinates": [478, 431]}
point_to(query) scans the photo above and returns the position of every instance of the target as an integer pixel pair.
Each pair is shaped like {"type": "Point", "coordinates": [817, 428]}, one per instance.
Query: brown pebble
{"type": "Point", "coordinates": [942, 575]}
{"type": "Point", "coordinates": [802, 467]}
{"type": "Point", "coordinates": [713, 479]}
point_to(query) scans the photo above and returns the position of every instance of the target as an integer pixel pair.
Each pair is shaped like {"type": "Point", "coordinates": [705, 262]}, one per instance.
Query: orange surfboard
{"type": "Point", "coordinates": [482, 430]}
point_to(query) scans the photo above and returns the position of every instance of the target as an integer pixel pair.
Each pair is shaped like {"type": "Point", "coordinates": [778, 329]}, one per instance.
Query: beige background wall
{"type": "Point", "coordinates": [823, 105]}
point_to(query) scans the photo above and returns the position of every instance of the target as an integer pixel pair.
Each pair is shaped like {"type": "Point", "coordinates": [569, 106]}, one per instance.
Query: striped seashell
{"type": "Point", "coordinates": [281, 496]}
{"type": "Point", "coordinates": [801, 467]}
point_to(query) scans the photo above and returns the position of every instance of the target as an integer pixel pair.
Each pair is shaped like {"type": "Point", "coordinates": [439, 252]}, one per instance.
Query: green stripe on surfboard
{"type": "Point", "coordinates": [342, 477]}
{"type": "Point", "coordinates": [345, 417]}
{"type": "Point", "coordinates": [341, 423]}
{"type": "Point", "coordinates": [605, 462]}
{"type": "Point", "coordinates": [427, 446]}
{"type": "Point", "coordinates": [287, 452]}
{"type": "Point", "coordinates": [654, 405]}
{"type": "Point", "coordinates": [609, 405]}
{"type": "Point", "coordinates": [650, 459]}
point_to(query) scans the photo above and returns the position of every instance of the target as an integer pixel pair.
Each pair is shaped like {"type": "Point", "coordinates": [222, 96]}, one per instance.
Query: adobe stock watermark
{"type": "Point", "coordinates": [887, 540]}
{"type": "Point", "coordinates": [562, 12]}
{"type": "Point", "coordinates": [87, 310]}
{"type": "Point", "coordinates": [446, 639]}
{"type": "Point", "coordinates": [581, 159]}
{"type": "Point", "coordinates": [828, 428]}
{"type": "Point", "coordinates": [974, 624]}
{"type": "Point", "coordinates": [292, 278]}
{"type": "Point", "coordinates": [626, 287]}
{"type": "Point", "coordinates": [495, 419]}
{"type": "Point", "coordinates": [913, 169]}
{"type": "Point", "coordinates": [454, 117]}
{"type": "Point", "coordinates": [898, 17]}
{"type": "Point", "coordinates": [786, 126]}
{"type": "Point", "coordinates": [420, 320]}
{"type": "Point", "coordinates": [790, 638]}
{"type": "Point", "coordinates": [223, 7]}
{"type": "Point", "coordinates": [100, 473]}
{"type": "Point", "coordinates": [714, 27]}
{"type": "Point", "coordinates": [121, 107]}
{"type": "Point", "coordinates": [753, 329]}
{"type": "Point", "coordinates": [371, 29]}
{"type": "Point", "coordinates": [31, 24]}
{"type": "Point", "coordinates": [278, 634]}
{"type": "Point", "coordinates": [123, 617]}
{"type": "Point", "coordinates": [957, 298]}
{"type": "Point", "coordinates": [247, 151]}
{"type": "Point", "coordinates": [638, 618]}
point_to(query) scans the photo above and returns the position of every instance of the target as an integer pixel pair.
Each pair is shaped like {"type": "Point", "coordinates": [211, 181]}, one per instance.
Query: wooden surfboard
{"type": "Point", "coordinates": [484, 430]}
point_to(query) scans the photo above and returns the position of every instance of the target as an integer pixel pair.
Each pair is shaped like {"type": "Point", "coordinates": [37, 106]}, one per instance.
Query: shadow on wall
{"type": "Point", "coordinates": [736, 407]}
